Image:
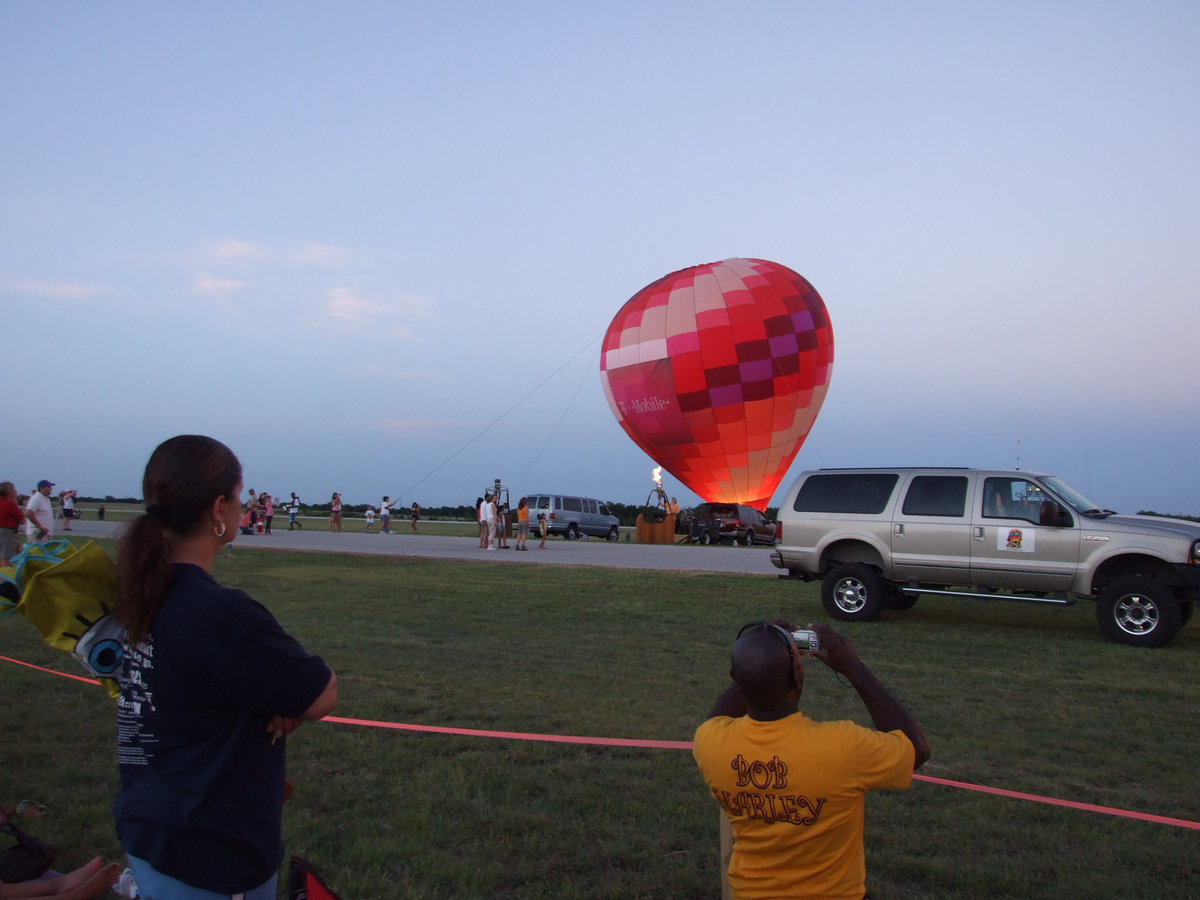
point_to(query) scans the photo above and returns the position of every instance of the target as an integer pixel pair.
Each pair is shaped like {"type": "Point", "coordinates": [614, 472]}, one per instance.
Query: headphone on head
{"type": "Point", "coordinates": [772, 628]}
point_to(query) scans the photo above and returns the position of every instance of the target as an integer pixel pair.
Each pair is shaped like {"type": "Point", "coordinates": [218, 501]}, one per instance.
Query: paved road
{"type": "Point", "coordinates": [661, 557]}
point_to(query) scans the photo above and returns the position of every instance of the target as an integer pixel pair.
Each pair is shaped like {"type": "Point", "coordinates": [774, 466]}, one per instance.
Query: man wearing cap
{"type": "Point", "coordinates": [39, 514]}
{"type": "Point", "coordinates": [793, 788]}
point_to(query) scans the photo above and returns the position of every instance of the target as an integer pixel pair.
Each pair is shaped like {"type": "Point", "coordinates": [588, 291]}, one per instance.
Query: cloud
{"type": "Point", "coordinates": [327, 256]}
{"type": "Point", "coordinates": [391, 317]}
{"type": "Point", "coordinates": [217, 251]}
{"type": "Point", "coordinates": [230, 250]}
{"type": "Point", "coordinates": [227, 252]}
{"type": "Point", "coordinates": [342, 305]}
{"type": "Point", "coordinates": [210, 284]}
{"type": "Point", "coordinates": [299, 286]}
{"type": "Point", "coordinates": [15, 284]}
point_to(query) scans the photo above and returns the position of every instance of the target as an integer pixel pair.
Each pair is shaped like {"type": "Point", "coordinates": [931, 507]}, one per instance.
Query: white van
{"type": "Point", "coordinates": [572, 516]}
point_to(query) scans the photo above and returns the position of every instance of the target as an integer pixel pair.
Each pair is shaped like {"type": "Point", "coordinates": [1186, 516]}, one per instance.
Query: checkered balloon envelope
{"type": "Point", "coordinates": [718, 372]}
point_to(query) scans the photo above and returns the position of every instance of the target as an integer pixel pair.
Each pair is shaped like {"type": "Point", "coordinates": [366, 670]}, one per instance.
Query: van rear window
{"type": "Point", "coordinates": [851, 492]}
{"type": "Point", "coordinates": [936, 495]}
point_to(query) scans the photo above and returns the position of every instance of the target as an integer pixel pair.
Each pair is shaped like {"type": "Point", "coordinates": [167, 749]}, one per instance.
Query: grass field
{"type": "Point", "coordinates": [1019, 697]}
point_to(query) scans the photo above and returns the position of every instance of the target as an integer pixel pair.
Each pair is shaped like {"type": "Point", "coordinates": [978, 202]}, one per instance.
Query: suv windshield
{"type": "Point", "coordinates": [1075, 500]}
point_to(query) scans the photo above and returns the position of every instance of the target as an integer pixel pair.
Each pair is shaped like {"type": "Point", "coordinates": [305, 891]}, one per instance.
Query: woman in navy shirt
{"type": "Point", "coordinates": [210, 684]}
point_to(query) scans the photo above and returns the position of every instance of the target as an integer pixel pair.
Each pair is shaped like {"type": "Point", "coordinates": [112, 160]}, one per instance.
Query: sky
{"type": "Point", "coordinates": [374, 247]}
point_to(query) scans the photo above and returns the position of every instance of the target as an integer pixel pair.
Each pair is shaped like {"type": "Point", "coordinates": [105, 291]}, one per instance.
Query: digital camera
{"type": "Point", "coordinates": [807, 640]}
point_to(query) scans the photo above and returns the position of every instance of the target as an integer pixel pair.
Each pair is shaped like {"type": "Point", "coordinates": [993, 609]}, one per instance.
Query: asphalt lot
{"type": "Point", "coordinates": [661, 557]}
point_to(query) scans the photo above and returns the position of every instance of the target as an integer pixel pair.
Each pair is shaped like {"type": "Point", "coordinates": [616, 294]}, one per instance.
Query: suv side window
{"type": "Point", "coordinates": [1012, 498]}
{"type": "Point", "coordinates": [936, 495]}
{"type": "Point", "coordinates": [572, 504]}
{"type": "Point", "coordinates": [591, 506]}
{"type": "Point", "coordinates": [858, 492]}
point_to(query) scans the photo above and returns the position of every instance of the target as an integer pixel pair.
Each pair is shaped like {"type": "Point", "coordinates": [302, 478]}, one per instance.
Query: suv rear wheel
{"type": "Point", "coordinates": [1139, 611]}
{"type": "Point", "coordinates": [572, 532]}
{"type": "Point", "coordinates": [748, 539]}
{"type": "Point", "coordinates": [706, 537]}
{"type": "Point", "coordinates": [614, 533]}
{"type": "Point", "coordinates": [852, 592]}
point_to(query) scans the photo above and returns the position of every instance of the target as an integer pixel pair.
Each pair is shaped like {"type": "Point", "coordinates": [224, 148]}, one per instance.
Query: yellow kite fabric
{"type": "Point", "coordinates": [69, 592]}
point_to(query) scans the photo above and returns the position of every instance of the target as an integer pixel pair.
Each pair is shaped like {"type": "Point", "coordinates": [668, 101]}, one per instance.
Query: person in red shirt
{"type": "Point", "coordinates": [11, 520]}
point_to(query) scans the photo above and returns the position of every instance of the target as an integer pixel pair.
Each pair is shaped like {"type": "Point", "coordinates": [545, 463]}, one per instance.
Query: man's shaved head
{"type": "Point", "coordinates": [761, 666]}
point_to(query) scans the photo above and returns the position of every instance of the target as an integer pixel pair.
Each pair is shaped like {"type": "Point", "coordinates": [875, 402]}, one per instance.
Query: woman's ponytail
{"type": "Point", "coordinates": [184, 477]}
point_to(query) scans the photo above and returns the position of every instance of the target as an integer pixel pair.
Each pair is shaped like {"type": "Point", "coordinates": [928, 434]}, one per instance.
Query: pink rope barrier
{"type": "Point", "coordinates": [1069, 804]}
{"type": "Point", "coordinates": [519, 735]}
{"type": "Point", "coordinates": [687, 745]}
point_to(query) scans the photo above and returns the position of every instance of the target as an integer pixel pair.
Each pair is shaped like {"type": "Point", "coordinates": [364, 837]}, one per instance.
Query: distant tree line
{"type": "Point", "coordinates": [626, 513]}
{"type": "Point", "coordinates": [1146, 512]}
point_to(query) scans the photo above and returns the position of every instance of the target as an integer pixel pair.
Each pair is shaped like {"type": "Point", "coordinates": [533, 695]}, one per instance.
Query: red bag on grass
{"type": "Point", "coordinates": [305, 884]}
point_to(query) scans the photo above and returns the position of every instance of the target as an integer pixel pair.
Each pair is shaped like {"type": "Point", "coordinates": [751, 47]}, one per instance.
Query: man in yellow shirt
{"type": "Point", "coordinates": [791, 787]}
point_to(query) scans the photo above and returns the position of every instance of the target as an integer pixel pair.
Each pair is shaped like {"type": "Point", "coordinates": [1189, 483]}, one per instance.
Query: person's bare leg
{"type": "Point", "coordinates": [91, 879]}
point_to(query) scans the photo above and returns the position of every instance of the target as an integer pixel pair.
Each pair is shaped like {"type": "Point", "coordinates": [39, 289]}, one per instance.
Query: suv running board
{"type": "Point", "coordinates": [1058, 598]}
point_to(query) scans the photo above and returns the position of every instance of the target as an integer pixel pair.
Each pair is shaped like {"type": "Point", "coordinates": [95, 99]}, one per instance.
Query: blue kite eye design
{"type": "Point", "coordinates": [105, 656]}
{"type": "Point", "coordinates": [101, 647]}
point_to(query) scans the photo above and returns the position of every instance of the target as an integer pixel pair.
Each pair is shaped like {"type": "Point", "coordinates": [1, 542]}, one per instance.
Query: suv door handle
{"type": "Point", "coordinates": [977, 533]}
{"type": "Point", "coordinates": [898, 529]}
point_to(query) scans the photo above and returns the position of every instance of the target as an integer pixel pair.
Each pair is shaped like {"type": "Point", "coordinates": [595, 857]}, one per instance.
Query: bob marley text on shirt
{"type": "Point", "coordinates": [764, 795]}
{"type": "Point", "coordinates": [135, 742]}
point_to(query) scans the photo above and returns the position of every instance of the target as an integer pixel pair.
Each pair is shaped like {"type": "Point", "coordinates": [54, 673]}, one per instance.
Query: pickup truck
{"type": "Point", "coordinates": [880, 538]}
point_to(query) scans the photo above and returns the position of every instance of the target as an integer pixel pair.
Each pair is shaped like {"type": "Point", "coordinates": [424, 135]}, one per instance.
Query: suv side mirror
{"type": "Point", "coordinates": [1052, 513]}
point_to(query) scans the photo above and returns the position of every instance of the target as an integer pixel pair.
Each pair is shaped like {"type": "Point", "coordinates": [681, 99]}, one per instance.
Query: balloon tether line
{"type": "Point", "coordinates": [566, 409]}
{"type": "Point", "coordinates": [496, 420]}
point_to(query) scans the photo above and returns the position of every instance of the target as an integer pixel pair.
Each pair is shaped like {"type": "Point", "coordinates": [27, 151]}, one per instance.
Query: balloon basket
{"type": "Point", "coordinates": [661, 531]}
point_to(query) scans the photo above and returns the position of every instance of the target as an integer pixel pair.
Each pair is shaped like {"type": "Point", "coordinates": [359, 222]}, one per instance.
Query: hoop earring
{"type": "Point", "coordinates": [219, 532]}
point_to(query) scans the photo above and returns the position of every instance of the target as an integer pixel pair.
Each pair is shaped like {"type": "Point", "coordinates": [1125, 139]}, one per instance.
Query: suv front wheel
{"type": "Point", "coordinates": [852, 592]}
{"type": "Point", "coordinates": [1139, 611]}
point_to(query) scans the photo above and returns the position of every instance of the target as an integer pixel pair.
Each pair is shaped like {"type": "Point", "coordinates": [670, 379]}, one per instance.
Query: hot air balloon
{"type": "Point", "coordinates": [718, 371]}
